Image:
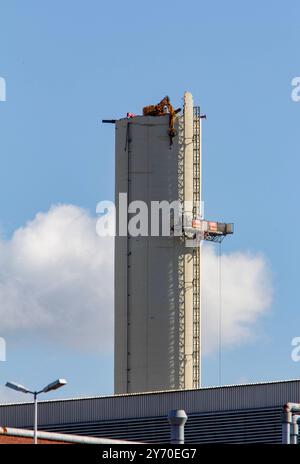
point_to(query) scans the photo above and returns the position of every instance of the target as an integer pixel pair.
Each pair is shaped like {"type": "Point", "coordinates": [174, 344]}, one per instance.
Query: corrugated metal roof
{"type": "Point", "coordinates": [125, 395]}
{"type": "Point", "coordinates": [155, 404]}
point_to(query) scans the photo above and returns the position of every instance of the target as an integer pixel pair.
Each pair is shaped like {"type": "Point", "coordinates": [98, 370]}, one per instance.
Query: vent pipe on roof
{"type": "Point", "coordinates": [177, 419]}
{"type": "Point", "coordinates": [295, 429]}
{"type": "Point", "coordinates": [288, 429]}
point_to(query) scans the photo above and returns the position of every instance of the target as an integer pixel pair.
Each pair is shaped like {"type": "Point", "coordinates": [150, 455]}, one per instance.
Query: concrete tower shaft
{"type": "Point", "coordinates": [154, 275]}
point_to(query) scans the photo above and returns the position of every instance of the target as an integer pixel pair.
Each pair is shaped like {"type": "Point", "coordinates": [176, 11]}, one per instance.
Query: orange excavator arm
{"type": "Point", "coordinates": [163, 107]}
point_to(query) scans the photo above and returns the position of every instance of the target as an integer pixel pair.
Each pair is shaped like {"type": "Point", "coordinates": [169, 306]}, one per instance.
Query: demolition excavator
{"type": "Point", "coordinates": [162, 108]}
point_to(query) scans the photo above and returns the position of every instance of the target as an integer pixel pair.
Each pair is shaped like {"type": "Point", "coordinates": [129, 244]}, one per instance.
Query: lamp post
{"type": "Point", "coordinates": [51, 386]}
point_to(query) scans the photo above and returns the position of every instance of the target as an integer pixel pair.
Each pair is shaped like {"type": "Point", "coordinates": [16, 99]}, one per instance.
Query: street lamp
{"type": "Point", "coordinates": [52, 386]}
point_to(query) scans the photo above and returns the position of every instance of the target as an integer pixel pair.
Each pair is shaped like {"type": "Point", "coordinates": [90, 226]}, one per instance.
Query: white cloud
{"type": "Point", "coordinates": [56, 281]}
{"type": "Point", "coordinates": [56, 277]}
{"type": "Point", "coordinates": [246, 296]}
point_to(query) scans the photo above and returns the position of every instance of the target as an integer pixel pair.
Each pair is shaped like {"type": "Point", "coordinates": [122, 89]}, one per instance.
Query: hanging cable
{"type": "Point", "coordinates": [220, 312]}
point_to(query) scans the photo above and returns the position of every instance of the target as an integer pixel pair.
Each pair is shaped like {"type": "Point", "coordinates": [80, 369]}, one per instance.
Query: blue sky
{"type": "Point", "coordinates": [69, 64]}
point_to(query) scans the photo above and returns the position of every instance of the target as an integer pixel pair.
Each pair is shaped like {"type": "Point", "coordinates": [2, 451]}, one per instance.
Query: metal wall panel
{"type": "Point", "coordinates": [151, 405]}
{"type": "Point", "coordinates": [244, 426]}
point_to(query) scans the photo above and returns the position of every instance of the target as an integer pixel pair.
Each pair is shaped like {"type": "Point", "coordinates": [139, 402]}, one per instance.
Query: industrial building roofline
{"type": "Point", "coordinates": [213, 387]}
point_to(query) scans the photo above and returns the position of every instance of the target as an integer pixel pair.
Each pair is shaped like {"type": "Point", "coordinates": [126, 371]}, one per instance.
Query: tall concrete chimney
{"type": "Point", "coordinates": [155, 282]}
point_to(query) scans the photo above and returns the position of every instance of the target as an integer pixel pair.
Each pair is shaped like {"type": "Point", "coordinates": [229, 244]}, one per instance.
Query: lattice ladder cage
{"type": "Point", "coordinates": [196, 249]}
{"type": "Point", "coordinates": [181, 259]}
